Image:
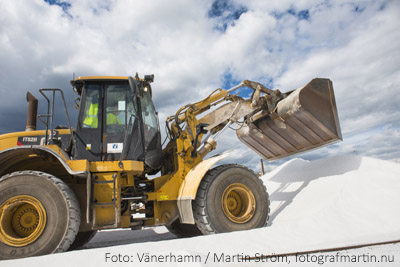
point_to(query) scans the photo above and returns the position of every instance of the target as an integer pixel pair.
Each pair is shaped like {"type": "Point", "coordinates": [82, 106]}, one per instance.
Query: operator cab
{"type": "Point", "coordinates": [117, 120]}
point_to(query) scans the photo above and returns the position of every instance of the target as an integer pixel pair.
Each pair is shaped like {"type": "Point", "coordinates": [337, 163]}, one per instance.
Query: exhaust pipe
{"type": "Point", "coordinates": [32, 112]}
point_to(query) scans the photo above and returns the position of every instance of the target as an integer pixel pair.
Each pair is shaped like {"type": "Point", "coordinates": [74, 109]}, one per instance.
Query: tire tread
{"type": "Point", "coordinates": [200, 211]}
{"type": "Point", "coordinates": [74, 217]}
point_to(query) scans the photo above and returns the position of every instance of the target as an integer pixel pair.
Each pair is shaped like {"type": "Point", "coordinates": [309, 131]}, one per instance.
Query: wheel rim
{"type": "Point", "coordinates": [23, 219]}
{"type": "Point", "coordinates": [238, 203]}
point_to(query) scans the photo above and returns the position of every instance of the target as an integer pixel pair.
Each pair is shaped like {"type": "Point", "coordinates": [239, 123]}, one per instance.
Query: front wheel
{"type": "Point", "coordinates": [230, 198]}
{"type": "Point", "coordinates": [39, 214]}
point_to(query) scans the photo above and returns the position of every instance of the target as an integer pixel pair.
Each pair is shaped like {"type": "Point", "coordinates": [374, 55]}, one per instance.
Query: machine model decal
{"type": "Point", "coordinates": [41, 140]}
{"type": "Point", "coordinates": [30, 140]}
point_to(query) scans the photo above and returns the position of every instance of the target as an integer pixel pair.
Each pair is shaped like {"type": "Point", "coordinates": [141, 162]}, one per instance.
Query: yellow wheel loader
{"type": "Point", "coordinates": [60, 185]}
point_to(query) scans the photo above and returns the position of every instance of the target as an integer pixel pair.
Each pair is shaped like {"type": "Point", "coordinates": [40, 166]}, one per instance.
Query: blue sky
{"type": "Point", "coordinates": [195, 46]}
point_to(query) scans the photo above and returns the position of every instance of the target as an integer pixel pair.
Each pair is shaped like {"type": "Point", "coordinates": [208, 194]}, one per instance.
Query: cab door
{"type": "Point", "coordinates": [88, 135]}
{"type": "Point", "coordinates": [109, 119]}
{"type": "Point", "coordinates": [122, 126]}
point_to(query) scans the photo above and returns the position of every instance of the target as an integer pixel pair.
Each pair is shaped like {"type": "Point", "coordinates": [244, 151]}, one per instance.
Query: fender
{"type": "Point", "coordinates": [11, 153]}
{"type": "Point", "coordinates": [188, 189]}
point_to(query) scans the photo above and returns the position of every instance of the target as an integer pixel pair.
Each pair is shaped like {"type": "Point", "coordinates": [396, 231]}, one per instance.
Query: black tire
{"type": "Point", "coordinates": [230, 198]}
{"type": "Point", "coordinates": [81, 239]}
{"type": "Point", "coordinates": [183, 230]}
{"type": "Point", "coordinates": [40, 215]}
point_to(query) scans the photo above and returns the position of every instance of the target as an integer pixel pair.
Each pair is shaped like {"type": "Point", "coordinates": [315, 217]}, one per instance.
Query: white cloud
{"type": "Point", "coordinates": [356, 44]}
{"type": "Point", "coordinates": [363, 65]}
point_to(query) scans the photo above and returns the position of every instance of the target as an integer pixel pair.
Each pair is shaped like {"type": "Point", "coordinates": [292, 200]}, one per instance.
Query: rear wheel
{"type": "Point", "coordinates": [39, 214]}
{"type": "Point", "coordinates": [230, 198]}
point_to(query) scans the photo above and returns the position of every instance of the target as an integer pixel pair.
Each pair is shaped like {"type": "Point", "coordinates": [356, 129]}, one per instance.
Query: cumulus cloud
{"type": "Point", "coordinates": [196, 46]}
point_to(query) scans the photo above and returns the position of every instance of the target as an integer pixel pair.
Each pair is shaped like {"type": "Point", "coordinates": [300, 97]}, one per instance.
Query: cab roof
{"type": "Point", "coordinates": [78, 82]}
{"type": "Point", "coordinates": [85, 78]}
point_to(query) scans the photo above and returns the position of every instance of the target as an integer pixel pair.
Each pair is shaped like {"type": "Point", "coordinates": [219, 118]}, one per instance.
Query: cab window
{"type": "Point", "coordinates": [119, 108]}
{"type": "Point", "coordinates": [91, 107]}
{"type": "Point", "coordinates": [149, 115]}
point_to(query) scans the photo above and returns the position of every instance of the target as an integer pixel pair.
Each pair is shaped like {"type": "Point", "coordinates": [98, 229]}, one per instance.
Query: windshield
{"type": "Point", "coordinates": [120, 110]}
{"type": "Point", "coordinates": [150, 119]}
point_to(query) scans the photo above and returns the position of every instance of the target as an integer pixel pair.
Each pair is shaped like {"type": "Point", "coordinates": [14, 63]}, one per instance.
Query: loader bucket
{"type": "Point", "coordinates": [306, 119]}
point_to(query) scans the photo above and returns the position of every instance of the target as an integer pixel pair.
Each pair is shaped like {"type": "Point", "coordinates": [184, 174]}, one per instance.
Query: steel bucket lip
{"type": "Point", "coordinates": [308, 120]}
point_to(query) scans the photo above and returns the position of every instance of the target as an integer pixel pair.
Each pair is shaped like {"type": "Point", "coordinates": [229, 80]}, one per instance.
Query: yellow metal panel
{"type": "Point", "coordinates": [105, 213]}
{"type": "Point", "coordinates": [194, 177]}
{"type": "Point", "coordinates": [7, 141]}
{"type": "Point", "coordinates": [98, 78]}
{"type": "Point", "coordinates": [78, 165]}
{"type": "Point", "coordinates": [101, 78]}
{"type": "Point", "coordinates": [126, 221]}
{"type": "Point", "coordinates": [10, 139]}
{"type": "Point", "coordinates": [110, 166]}
{"type": "Point", "coordinates": [59, 151]}
{"type": "Point", "coordinates": [105, 216]}
{"type": "Point", "coordinates": [168, 212]}
{"type": "Point", "coordinates": [18, 134]}
{"type": "Point", "coordinates": [31, 133]}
